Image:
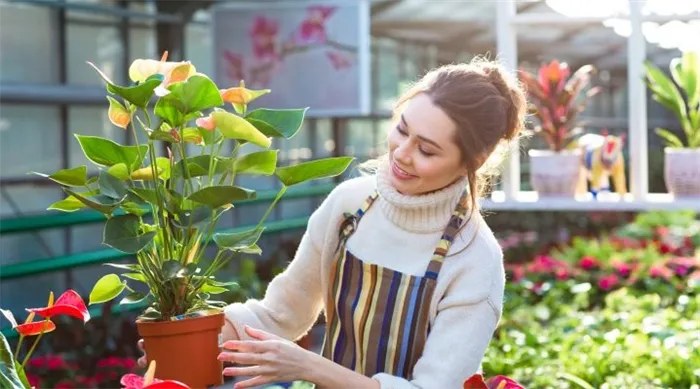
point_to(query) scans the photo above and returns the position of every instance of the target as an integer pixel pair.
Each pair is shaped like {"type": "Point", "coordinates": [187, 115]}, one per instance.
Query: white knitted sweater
{"type": "Point", "coordinates": [399, 232]}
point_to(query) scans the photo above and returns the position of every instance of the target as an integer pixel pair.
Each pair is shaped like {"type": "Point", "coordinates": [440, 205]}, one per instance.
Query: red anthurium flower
{"type": "Point", "coordinates": [475, 382]}
{"type": "Point", "coordinates": [69, 303]}
{"type": "Point", "coordinates": [502, 382]}
{"type": "Point", "coordinates": [148, 381]}
{"type": "Point", "coordinates": [31, 329]}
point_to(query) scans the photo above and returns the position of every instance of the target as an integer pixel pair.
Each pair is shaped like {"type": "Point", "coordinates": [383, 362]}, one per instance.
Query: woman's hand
{"type": "Point", "coordinates": [267, 358]}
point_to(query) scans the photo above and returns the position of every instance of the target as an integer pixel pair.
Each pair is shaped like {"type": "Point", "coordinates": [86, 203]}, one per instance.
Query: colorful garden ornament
{"type": "Point", "coordinates": [601, 158]}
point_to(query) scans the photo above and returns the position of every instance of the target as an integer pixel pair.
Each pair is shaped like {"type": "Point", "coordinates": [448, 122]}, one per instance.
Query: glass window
{"type": "Point", "coordinates": [142, 42]}
{"type": "Point", "coordinates": [29, 50]}
{"type": "Point", "coordinates": [30, 140]}
{"type": "Point", "coordinates": [198, 48]}
{"type": "Point", "coordinates": [387, 77]}
{"type": "Point", "coordinates": [92, 121]}
{"type": "Point", "coordinates": [100, 45]}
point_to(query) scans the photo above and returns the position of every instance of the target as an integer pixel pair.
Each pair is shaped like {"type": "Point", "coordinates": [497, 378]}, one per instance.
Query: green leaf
{"type": "Point", "coordinates": [104, 152]}
{"type": "Point", "coordinates": [235, 127]}
{"type": "Point", "coordinates": [134, 209]}
{"type": "Point", "coordinates": [8, 368]}
{"type": "Point", "coordinates": [70, 177]}
{"type": "Point", "coordinates": [133, 298]}
{"type": "Point", "coordinates": [210, 289]}
{"type": "Point", "coordinates": [197, 94]}
{"type": "Point", "coordinates": [22, 375]}
{"type": "Point", "coordinates": [135, 276]}
{"type": "Point", "coordinates": [669, 138]}
{"type": "Point", "coordinates": [191, 218]}
{"type": "Point", "coordinates": [140, 94]}
{"type": "Point", "coordinates": [260, 162]}
{"type": "Point", "coordinates": [147, 195]}
{"type": "Point", "coordinates": [265, 128]}
{"type": "Point", "coordinates": [98, 202]}
{"type": "Point", "coordinates": [667, 92]}
{"type": "Point", "coordinates": [286, 122]}
{"type": "Point", "coordinates": [192, 135]}
{"type": "Point", "coordinates": [170, 109]}
{"type": "Point", "coordinates": [210, 137]}
{"type": "Point", "coordinates": [690, 65]}
{"type": "Point", "coordinates": [216, 196]}
{"type": "Point", "coordinates": [123, 266]}
{"type": "Point", "coordinates": [237, 241]}
{"type": "Point", "coordinates": [164, 136]}
{"type": "Point", "coordinates": [322, 168]}
{"type": "Point", "coordinates": [107, 288]}
{"type": "Point", "coordinates": [122, 233]}
{"type": "Point", "coordinates": [69, 204]}
{"type": "Point", "coordinates": [110, 186]}
{"type": "Point", "coordinates": [199, 166]}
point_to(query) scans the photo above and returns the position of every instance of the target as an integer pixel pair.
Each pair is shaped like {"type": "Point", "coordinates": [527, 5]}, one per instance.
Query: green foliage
{"type": "Point", "coordinates": [165, 209]}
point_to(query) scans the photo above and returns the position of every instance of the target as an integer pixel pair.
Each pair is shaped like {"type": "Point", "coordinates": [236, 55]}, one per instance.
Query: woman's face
{"type": "Point", "coordinates": [423, 155]}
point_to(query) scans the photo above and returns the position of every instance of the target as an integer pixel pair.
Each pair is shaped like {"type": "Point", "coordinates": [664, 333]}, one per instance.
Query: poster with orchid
{"type": "Point", "coordinates": [310, 53]}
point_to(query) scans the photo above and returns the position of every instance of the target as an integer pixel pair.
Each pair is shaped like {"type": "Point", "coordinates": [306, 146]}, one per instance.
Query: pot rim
{"type": "Point", "coordinates": [552, 153]}
{"type": "Point", "coordinates": [176, 327]}
{"type": "Point", "coordinates": [681, 150]}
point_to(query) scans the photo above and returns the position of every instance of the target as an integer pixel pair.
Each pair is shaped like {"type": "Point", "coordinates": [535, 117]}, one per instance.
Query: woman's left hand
{"type": "Point", "coordinates": [267, 358]}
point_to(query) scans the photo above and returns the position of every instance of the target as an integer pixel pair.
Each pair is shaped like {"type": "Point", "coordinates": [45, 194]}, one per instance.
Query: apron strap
{"type": "Point", "coordinates": [350, 221]}
{"type": "Point", "coordinates": [459, 215]}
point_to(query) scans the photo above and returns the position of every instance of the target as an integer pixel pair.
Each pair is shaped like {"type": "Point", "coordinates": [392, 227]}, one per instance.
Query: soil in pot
{"type": "Point", "coordinates": [185, 350]}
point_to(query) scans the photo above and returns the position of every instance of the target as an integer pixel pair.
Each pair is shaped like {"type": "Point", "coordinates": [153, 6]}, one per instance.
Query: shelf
{"type": "Point", "coordinates": [530, 201]}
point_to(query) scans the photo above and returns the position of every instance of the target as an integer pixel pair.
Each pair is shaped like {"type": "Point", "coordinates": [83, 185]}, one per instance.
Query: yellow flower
{"type": "Point", "coordinates": [173, 72]}
{"type": "Point", "coordinates": [240, 96]}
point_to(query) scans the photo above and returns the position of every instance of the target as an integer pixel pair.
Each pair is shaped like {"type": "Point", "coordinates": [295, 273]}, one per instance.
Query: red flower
{"type": "Point", "coordinates": [34, 380]}
{"type": "Point", "coordinates": [148, 381]}
{"type": "Point", "coordinates": [562, 274]}
{"type": "Point", "coordinates": [662, 231]}
{"type": "Point", "coordinates": [31, 329]}
{"type": "Point", "coordinates": [608, 282]}
{"type": "Point", "coordinates": [55, 362]}
{"type": "Point", "coordinates": [64, 385]}
{"type": "Point", "coordinates": [69, 303]}
{"type": "Point", "coordinates": [588, 263]}
{"type": "Point", "coordinates": [497, 382]}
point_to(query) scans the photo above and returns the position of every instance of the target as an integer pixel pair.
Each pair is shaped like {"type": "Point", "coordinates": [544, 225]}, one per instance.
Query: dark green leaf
{"type": "Point", "coordinates": [70, 177]}
{"type": "Point", "coordinates": [133, 298]}
{"type": "Point", "coordinates": [322, 168]}
{"type": "Point", "coordinates": [122, 233]}
{"type": "Point", "coordinates": [151, 314]}
{"type": "Point", "coordinates": [173, 269]}
{"type": "Point", "coordinates": [110, 186]}
{"type": "Point", "coordinates": [265, 128]}
{"type": "Point", "coordinates": [22, 375]}
{"type": "Point", "coordinates": [106, 289]}
{"type": "Point", "coordinates": [164, 136]}
{"type": "Point", "coordinates": [260, 162]}
{"type": "Point", "coordinates": [216, 196]}
{"type": "Point", "coordinates": [140, 94]}
{"type": "Point", "coordinates": [119, 171]}
{"type": "Point", "coordinates": [198, 166]}
{"type": "Point", "coordinates": [104, 152]}
{"type": "Point", "coordinates": [134, 209]}
{"type": "Point", "coordinates": [69, 204]}
{"type": "Point", "coordinates": [192, 218]}
{"type": "Point", "coordinates": [210, 137]}
{"type": "Point", "coordinates": [147, 195]}
{"type": "Point", "coordinates": [99, 202]}
{"type": "Point", "coordinates": [237, 241]}
{"type": "Point", "coordinates": [124, 266]}
{"type": "Point", "coordinates": [286, 122]}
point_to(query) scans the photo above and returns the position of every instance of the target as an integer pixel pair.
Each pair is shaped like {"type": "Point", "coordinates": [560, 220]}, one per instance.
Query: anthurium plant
{"type": "Point", "coordinates": [683, 102]}
{"type": "Point", "coordinates": [557, 98]}
{"type": "Point", "coordinates": [477, 381]}
{"type": "Point", "coordinates": [164, 209]}
{"type": "Point", "coordinates": [12, 373]}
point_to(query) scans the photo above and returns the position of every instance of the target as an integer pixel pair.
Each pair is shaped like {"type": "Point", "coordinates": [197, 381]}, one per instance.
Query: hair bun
{"type": "Point", "coordinates": [515, 100]}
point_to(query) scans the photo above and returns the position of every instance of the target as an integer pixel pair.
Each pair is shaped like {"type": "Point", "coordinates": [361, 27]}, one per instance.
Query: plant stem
{"type": "Point", "coordinates": [274, 202]}
{"type": "Point", "coordinates": [183, 156]}
{"type": "Point", "coordinates": [36, 342]}
{"type": "Point", "coordinates": [19, 345]}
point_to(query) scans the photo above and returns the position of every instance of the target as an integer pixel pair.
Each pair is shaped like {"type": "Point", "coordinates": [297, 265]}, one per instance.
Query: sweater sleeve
{"type": "Point", "coordinates": [294, 298]}
{"type": "Point", "coordinates": [464, 326]}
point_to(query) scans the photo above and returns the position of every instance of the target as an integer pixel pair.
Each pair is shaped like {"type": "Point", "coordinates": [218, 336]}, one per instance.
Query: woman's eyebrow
{"type": "Point", "coordinates": [424, 139]}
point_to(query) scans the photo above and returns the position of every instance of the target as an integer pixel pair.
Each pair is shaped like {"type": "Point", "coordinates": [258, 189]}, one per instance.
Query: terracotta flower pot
{"type": "Point", "coordinates": [185, 350]}
{"type": "Point", "coordinates": [682, 172]}
{"type": "Point", "coordinates": [555, 174]}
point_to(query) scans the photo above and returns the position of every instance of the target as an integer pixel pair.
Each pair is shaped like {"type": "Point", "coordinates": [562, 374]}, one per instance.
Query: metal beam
{"type": "Point", "coordinates": [381, 6]}
{"type": "Point", "coordinates": [103, 9]}
{"type": "Point", "coordinates": [638, 129]}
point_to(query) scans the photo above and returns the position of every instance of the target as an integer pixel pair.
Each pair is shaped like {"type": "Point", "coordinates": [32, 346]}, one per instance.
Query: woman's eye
{"type": "Point", "coordinates": [401, 130]}
{"type": "Point", "coordinates": [426, 153]}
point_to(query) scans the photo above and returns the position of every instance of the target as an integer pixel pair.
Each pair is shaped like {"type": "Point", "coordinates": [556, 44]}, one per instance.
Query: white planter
{"type": "Point", "coordinates": [682, 172]}
{"type": "Point", "coordinates": [555, 174]}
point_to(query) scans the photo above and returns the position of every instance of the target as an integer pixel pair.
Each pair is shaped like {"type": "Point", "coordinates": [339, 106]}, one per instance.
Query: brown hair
{"type": "Point", "coordinates": [487, 104]}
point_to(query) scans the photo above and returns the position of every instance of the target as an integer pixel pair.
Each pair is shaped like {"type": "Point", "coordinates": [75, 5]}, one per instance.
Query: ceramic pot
{"type": "Point", "coordinates": [682, 172]}
{"type": "Point", "coordinates": [555, 174]}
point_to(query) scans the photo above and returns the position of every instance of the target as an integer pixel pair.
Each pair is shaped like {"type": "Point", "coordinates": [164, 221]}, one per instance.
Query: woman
{"type": "Point", "coordinates": [407, 273]}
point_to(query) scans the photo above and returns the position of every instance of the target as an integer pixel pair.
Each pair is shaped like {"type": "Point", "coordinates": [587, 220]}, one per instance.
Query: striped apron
{"type": "Point", "coordinates": [377, 318]}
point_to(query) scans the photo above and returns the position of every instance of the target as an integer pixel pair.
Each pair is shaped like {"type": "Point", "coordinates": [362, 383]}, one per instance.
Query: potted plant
{"type": "Point", "coordinates": [681, 159]}
{"type": "Point", "coordinates": [164, 209]}
{"type": "Point", "coordinates": [556, 101]}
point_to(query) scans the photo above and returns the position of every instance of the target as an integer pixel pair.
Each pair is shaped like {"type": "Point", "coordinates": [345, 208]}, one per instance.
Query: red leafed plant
{"type": "Point", "coordinates": [556, 100]}
{"type": "Point", "coordinates": [12, 375]}
{"type": "Point", "coordinates": [497, 382]}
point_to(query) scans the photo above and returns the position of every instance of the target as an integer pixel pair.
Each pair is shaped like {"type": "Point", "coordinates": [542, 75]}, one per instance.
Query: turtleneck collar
{"type": "Point", "coordinates": [426, 213]}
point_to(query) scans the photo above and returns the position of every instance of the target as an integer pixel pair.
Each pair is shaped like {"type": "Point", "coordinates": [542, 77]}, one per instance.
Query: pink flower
{"type": "Point", "coordinates": [660, 271]}
{"type": "Point", "coordinates": [588, 263]}
{"type": "Point", "coordinates": [681, 270]}
{"type": "Point", "coordinates": [55, 362]}
{"type": "Point", "coordinates": [234, 66]}
{"type": "Point", "coordinates": [313, 29]}
{"type": "Point", "coordinates": [622, 268]}
{"type": "Point", "coordinates": [338, 60]}
{"type": "Point", "coordinates": [64, 385]}
{"type": "Point", "coordinates": [36, 363]}
{"type": "Point", "coordinates": [608, 282]}
{"type": "Point", "coordinates": [34, 380]}
{"type": "Point", "coordinates": [562, 274]}
{"type": "Point", "coordinates": [264, 34]}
